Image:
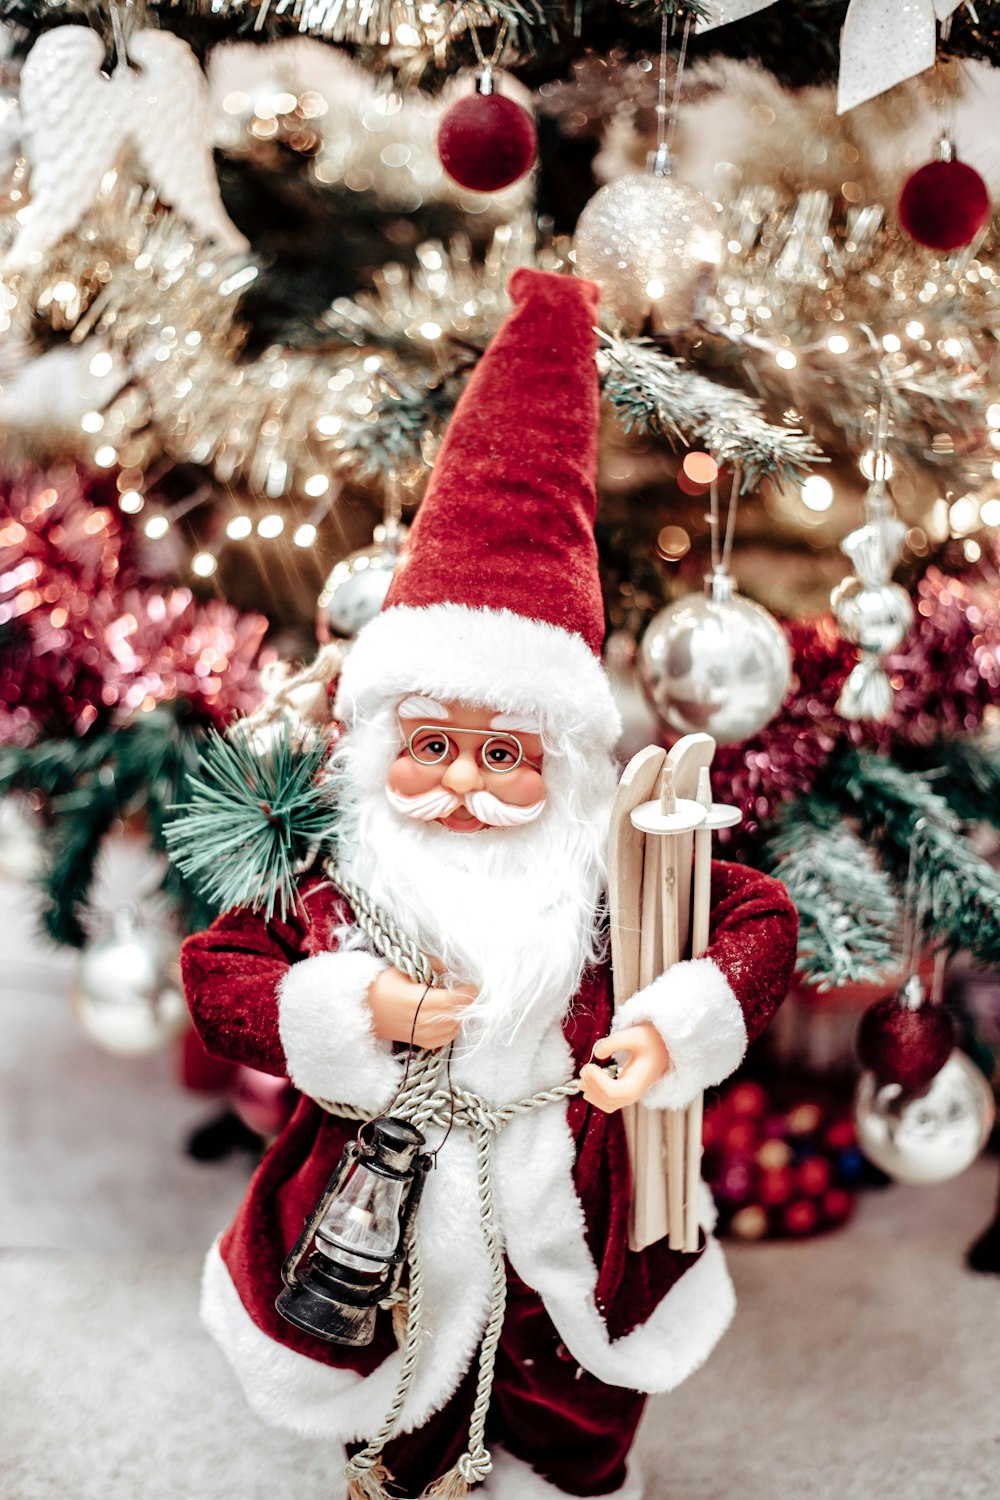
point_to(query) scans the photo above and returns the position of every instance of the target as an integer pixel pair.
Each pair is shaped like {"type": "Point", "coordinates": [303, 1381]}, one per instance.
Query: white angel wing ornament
{"type": "Point", "coordinates": [171, 127]}
{"type": "Point", "coordinates": [76, 121]}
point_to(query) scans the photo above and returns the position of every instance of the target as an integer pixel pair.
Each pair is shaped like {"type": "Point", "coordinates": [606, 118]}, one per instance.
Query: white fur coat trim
{"type": "Point", "coordinates": [491, 657]}
{"type": "Point", "coordinates": [513, 1479]}
{"type": "Point", "coordinates": [699, 1018]}
{"type": "Point", "coordinates": [542, 1222]}
{"type": "Point", "coordinates": [547, 1249]}
{"type": "Point", "coordinates": [326, 1030]}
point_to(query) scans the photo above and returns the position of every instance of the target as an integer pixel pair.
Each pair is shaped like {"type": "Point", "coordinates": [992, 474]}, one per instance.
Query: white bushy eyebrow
{"type": "Point", "coordinates": [514, 722]}
{"type": "Point", "coordinates": [416, 707]}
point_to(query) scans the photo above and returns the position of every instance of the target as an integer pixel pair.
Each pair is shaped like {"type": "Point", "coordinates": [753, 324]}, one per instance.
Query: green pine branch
{"type": "Point", "coordinates": [391, 440]}
{"type": "Point", "coordinates": [253, 819]}
{"type": "Point", "coordinates": [963, 889]}
{"type": "Point", "coordinates": [654, 393]}
{"type": "Point", "coordinates": [849, 915]}
{"type": "Point", "coordinates": [966, 773]}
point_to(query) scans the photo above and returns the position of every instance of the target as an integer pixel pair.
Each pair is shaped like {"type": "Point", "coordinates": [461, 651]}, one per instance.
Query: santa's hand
{"type": "Point", "coordinates": [404, 1011]}
{"type": "Point", "coordinates": [647, 1061]}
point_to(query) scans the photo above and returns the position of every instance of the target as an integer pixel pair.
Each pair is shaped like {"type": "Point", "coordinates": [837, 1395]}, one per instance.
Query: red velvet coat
{"type": "Point", "coordinates": [277, 996]}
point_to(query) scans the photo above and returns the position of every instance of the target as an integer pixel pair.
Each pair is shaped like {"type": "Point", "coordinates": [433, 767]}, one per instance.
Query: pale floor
{"type": "Point", "coordinates": [861, 1365]}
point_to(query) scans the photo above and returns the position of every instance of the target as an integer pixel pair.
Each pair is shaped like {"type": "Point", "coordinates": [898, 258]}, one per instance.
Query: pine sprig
{"type": "Point", "coordinates": [392, 439]}
{"type": "Point", "coordinates": [967, 774]}
{"type": "Point", "coordinates": [254, 818]}
{"type": "Point", "coordinates": [963, 889]}
{"type": "Point", "coordinates": [849, 915]}
{"type": "Point", "coordinates": [654, 393]}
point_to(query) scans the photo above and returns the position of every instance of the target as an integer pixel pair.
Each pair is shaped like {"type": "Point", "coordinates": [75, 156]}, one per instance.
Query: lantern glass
{"type": "Point", "coordinates": [363, 1217]}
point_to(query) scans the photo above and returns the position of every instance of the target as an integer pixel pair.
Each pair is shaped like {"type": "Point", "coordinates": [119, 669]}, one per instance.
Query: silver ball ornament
{"type": "Point", "coordinates": [355, 591]}
{"type": "Point", "coordinates": [652, 244]}
{"type": "Point", "coordinates": [875, 617]}
{"type": "Point", "coordinates": [716, 663]}
{"type": "Point", "coordinates": [930, 1135]}
{"type": "Point", "coordinates": [128, 993]}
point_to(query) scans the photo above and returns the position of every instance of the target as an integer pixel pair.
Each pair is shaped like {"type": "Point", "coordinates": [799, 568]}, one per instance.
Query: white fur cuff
{"type": "Point", "coordinates": [326, 1031]}
{"type": "Point", "coordinates": [699, 1018]}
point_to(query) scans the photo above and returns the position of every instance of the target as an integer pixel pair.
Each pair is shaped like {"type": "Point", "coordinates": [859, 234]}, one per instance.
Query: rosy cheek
{"type": "Point", "coordinates": [521, 788]}
{"type": "Point", "coordinates": [409, 779]}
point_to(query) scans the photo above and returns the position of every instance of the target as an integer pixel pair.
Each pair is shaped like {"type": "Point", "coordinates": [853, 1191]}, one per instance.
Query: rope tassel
{"type": "Point", "coordinates": [423, 1102]}
{"type": "Point", "coordinates": [369, 1484]}
{"type": "Point", "coordinates": [450, 1486]}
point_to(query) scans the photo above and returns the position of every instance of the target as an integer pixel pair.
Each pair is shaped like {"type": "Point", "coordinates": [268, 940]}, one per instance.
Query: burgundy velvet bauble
{"type": "Point", "coordinates": [486, 142]}
{"type": "Point", "coordinates": [905, 1046]}
{"type": "Point", "coordinates": [944, 205]}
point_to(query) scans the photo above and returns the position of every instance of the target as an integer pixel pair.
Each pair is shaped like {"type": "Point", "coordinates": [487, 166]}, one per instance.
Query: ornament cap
{"type": "Point", "coordinates": [660, 163]}
{"type": "Point", "coordinates": [720, 586]}
{"type": "Point", "coordinates": [124, 921]}
{"type": "Point", "coordinates": [912, 994]}
{"type": "Point", "coordinates": [485, 81]}
{"type": "Point", "coordinates": [945, 149]}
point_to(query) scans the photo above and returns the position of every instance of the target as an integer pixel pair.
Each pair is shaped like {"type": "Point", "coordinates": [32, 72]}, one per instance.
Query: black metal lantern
{"type": "Point", "coordinates": [349, 1256]}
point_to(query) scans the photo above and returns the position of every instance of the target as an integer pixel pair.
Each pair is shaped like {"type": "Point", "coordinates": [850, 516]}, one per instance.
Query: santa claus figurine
{"type": "Point", "coordinates": [476, 778]}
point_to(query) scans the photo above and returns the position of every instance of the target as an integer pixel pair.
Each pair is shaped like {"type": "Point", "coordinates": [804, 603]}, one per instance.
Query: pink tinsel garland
{"type": "Point", "coordinates": [86, 639]}
{"type": "Point", "coordinates": [945, 677]}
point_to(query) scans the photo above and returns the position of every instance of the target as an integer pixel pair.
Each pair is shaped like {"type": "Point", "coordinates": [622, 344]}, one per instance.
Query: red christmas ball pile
{"type": "Point", "coordinates": [944, 205]}
{"type": "Point", "coordinates": [779, 1173]}
{"type": "Point", "coordinates": [486, 142]}
{"type": "Point", "coordinates": [905, 1046]}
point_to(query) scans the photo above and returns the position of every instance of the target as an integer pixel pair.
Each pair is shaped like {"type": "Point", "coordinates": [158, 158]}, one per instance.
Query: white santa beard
{"type": "Point", "coordinates": [512, 911]}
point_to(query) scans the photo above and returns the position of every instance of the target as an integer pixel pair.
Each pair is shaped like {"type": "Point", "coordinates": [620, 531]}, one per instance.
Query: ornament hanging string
{"type": "Point", "coordinates": [666, 127]}
{"type": "Point", "coordinates": [721, 558]}
{"type": "Point", "coordinates": [392, 516]}
{"type": "Point", "coordinates": [118, 32]}
{"type": "Point", "coordinates": [916, 897]}
{"type": "Point", "coordinates": [487, 63]}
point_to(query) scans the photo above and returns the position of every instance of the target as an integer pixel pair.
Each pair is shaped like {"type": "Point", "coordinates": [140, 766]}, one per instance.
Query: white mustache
{"type": "Point", "coordinates": [440, 803]}
{"type": "Point", "coordinates": [489, 809]}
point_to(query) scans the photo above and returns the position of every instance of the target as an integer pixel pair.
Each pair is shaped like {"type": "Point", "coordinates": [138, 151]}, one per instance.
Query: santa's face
{"type": "Point", "coordinates": [507, 896]}
{"type": "Point", "coordinates": [466, 768]}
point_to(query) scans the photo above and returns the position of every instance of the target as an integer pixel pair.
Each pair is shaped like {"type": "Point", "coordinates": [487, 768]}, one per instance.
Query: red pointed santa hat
{"type": "Point", "coordinates": [498, 599]}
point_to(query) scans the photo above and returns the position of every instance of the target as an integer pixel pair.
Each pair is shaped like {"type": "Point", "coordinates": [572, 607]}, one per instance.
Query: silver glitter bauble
{"type": "Point", "coordinates": [355, 591]}
{"type": "Point", "coordinates": [128, 992]}
{"type": "Point", "coordinates": [652, 244]}
{"type": "Point", "coordinates": [717, 663]}
{"type": "Point", "coordinates": [930, 1135]}
{"type": "Point", "coordinates": [875, 617]}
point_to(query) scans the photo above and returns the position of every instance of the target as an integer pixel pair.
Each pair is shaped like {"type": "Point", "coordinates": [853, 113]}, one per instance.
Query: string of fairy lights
{"type": "Point", "coordinates": [388, 150]}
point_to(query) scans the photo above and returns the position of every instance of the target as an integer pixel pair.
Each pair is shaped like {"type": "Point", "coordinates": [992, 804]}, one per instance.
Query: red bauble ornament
{"type": "Point", "coordinates": [904, 1041]}
{"type": "Point", "coordinates": [801, 1216]}
{"type": "Point", "coordinates": [945, 203]}
{"type": "Point", "coordinates": [486, 141]}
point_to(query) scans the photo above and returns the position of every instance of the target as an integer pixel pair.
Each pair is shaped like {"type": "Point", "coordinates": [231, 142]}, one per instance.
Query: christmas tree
{"type": "Point", "coordinates": [235, 325]}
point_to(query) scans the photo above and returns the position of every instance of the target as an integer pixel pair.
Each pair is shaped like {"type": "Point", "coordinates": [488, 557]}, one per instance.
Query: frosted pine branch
{"type": "Point", "coordinates": [849, 914]}
{"type": "Point", "coordinates": [655, 393]}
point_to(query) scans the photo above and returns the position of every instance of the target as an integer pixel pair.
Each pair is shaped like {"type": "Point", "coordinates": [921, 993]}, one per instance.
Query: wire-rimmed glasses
{"type": "Point", "coordinates": [500, 753]}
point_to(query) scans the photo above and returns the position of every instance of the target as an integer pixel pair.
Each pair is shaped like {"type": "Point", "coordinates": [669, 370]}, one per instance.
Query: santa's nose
{"type": "Point", "coordinates": [463, 775]}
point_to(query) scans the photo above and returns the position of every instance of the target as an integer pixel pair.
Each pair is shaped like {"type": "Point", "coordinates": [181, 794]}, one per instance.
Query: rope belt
{"type": "Point", "coordinates": [423, 1102]}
